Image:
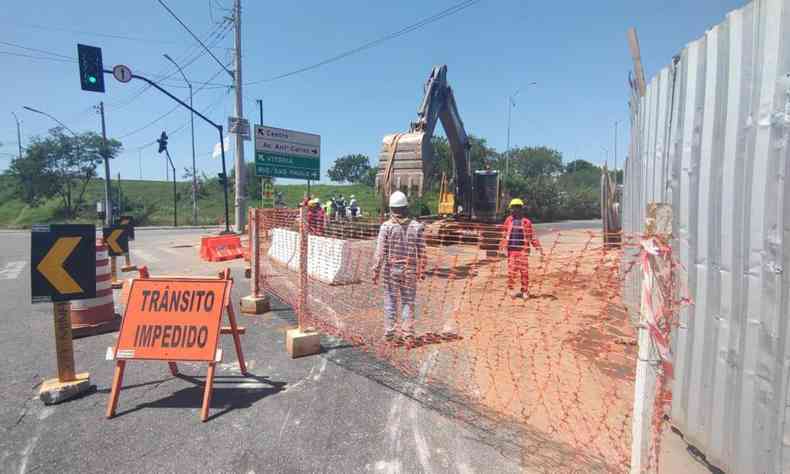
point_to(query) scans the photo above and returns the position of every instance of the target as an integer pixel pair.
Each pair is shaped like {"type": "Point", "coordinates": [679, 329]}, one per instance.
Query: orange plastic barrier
{"type": "Point", "coordinates": [221, 248]}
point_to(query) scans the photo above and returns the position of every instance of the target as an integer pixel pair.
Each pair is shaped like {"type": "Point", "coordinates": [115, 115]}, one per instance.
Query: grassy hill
{"type": "Point", "coordinates": [151, 202]}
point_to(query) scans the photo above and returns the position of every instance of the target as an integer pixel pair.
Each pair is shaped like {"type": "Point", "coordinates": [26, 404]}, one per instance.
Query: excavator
{"type": "Point", "coordinates": [407, 158]}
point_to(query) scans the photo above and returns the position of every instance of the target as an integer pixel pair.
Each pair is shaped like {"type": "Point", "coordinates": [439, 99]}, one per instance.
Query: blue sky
{"type": "Point", "coordinates": [577, 53]}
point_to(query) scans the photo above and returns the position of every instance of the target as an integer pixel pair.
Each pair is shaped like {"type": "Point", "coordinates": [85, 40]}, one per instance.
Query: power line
{"type": "Point", "coordinates": [182, 126]}
{"type": "Point", "coordinates": [431, 19]}
{"type": "Point", "coordinates": [14, 45]}
{"type": "Point", "coordinates": [161, 2]}
{"type": "Point", "coordinates": [154, 121]}
{"type": "Point", "coordinates": [95, 33]}
{"type": "Point", "coordinates": [66, 59]}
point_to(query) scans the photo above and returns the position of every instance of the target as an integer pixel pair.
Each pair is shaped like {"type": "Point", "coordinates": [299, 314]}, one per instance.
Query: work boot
{"type": "Point", "coordinates": [515, 294]}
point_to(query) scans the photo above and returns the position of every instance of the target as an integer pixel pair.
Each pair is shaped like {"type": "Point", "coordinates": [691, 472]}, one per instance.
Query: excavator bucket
{"type": "Point", "coordinates": [404, 162]}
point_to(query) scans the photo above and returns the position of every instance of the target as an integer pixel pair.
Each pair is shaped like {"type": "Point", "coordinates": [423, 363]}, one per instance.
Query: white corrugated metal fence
{"type": "Point", "coordinates": [710, 137]}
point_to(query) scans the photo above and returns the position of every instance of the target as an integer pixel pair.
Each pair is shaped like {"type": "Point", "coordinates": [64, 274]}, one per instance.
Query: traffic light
{"type": "Point", "coordinates": [91, 68]}
{"type": "Point", "coordinates": [162, 142]}
{"type": "Point", "coordinates": [221, 177]}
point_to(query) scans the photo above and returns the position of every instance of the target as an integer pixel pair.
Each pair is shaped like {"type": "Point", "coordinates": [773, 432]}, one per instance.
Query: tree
{"type": "Point", "coordinates": [370, 177]}
{"type": "Point", "coordinates": [60, 165]}
{"type": "Point", "coordinates": [579, 165]}
{"type": "Point", "coordinates": [533, 162]}
{"type": "Point", "coordinates": [350, 169]}
{"type": "Point", "coordinates": [480, 156]}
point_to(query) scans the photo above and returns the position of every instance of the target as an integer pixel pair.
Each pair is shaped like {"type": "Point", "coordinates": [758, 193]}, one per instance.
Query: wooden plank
{"type": "Point", "coordinates": [639, 72]}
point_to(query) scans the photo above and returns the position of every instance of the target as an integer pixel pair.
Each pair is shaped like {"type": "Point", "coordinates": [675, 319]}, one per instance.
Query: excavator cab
{"type": "Point", "coordinates": [407, 158]}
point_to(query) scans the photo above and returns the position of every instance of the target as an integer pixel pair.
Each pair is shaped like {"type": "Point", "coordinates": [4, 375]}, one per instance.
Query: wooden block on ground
{"type": "Point", "coordinates": [54, 391]}
{"type": "Point", "coordinates": [255, 304]}
{"type": "Point", "coordinates": [300, 343]}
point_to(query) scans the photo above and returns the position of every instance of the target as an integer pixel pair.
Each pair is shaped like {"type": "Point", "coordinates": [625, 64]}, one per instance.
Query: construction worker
{"type": "Point", "coordinates": [400, 257]}
{"type": "Point", "coordinates": [517, 239]}
{"type": "Point", "coordinates": [353, 207]}
{"type": "Point", "coordinates": [315, 217]}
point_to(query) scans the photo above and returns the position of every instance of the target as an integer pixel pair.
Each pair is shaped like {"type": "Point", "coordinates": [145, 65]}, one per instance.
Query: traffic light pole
{"type": "Point", "coordinates": [107, 196]}
{"type": "Point", "coordinates": [175, 194]}
{"type": "Point", "coordinates": [215, 125]}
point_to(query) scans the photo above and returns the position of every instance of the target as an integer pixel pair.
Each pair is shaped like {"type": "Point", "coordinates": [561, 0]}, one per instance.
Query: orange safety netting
{"type": "Point", "coordinates": [559, 364]}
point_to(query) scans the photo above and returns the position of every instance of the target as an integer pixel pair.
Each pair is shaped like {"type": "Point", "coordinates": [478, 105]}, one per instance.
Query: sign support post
{"type": "Point", "coordinates": [62, 268]}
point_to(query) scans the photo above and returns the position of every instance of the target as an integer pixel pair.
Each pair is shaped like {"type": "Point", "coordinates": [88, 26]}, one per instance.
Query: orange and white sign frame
{"type": "Point", "coordinates": [176, 319]}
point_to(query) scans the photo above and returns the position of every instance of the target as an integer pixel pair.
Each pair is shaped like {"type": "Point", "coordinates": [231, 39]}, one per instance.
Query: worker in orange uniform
{"type": "Point", "coordinates": [315, 217]}
{"type": "Point", "coordinates": [517, 239]}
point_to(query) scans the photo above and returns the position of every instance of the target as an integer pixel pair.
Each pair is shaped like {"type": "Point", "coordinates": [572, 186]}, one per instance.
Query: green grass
{"type": "Point", "coordinates": [151, 202]}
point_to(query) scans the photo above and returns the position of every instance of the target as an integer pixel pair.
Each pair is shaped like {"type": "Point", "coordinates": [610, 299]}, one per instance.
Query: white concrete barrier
{"type": "Point", "coordinates": [332, 261]}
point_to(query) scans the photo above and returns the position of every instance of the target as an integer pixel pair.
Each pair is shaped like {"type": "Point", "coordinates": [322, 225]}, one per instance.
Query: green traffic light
{"type": "Point", "coordinates": [92, 79]}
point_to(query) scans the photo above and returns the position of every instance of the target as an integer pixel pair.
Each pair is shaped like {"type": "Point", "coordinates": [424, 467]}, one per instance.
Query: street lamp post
{"type": "Point", "coordinates": [76, 140]}
{"type": "Point", "coordinates": [18, 134]}
{"type": "Point", "coordinates": [511, 102]}
{"type": "Point", "coordinates": [192, 128]}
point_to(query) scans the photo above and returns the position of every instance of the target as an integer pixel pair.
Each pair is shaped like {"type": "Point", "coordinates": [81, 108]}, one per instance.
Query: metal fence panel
{"type": "Point", "coordinates": [711, 137]}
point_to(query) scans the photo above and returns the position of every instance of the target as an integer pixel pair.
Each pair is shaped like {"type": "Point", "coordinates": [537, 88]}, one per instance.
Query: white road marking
{"type": "Point", "coordinates": [12, 270]}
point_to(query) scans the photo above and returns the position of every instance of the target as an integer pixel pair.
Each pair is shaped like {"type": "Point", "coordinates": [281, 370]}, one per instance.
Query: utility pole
{"type": "Point", "coordinates": [241, 198]}
{"type": "Point", "coordinates": [120, 196]}
{"type": "Point", "coordinates": [107, 196]}
{"type": "Point", "coordinates": [19, 133]}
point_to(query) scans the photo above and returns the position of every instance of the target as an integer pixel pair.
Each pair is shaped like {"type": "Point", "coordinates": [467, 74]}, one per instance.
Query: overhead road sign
{"type": "Point", "coordinates": [117, 239]}
{"type": "Point", "coordinates": [283, 153]}
{"type": "Point", "coordinates": [62, 262]}
{"type": "Point", "coordinates": [240, 127]}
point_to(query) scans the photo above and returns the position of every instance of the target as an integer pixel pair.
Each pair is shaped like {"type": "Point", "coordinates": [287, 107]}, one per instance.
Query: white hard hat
{"type": "Point", "coordinates": [398, 199]}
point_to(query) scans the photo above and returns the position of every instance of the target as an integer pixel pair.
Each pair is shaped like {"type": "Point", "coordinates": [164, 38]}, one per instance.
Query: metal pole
{"type": "Point", "coordinates": [507, 150]}
{"type": "Point", "coordinates": [192, 129]}
{"type": "Point", "coordinates": [175, 194]}
{"type": "Point", "coordinates": [194, 164]}
{"type": "Point", "coordinates": [260, 110]}
{"type": "Point", "coordinates": [203, 117]}
{"type": "Point", "coordinates": [107, 197]}
{"type": "Point", "coordinates": [19, 134]}
{"type": "Point", "coordinates": [240, 208]}
{"type": "Point", "coordinates": [225, 183]}
{"type": "Point", "coordinates": [120, 196]}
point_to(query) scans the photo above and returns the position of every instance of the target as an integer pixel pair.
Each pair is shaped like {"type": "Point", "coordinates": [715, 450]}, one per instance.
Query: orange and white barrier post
{"type": "Point", "coordinates": [97, 315]}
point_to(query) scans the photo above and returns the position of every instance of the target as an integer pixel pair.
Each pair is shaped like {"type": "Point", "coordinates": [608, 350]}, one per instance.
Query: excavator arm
{"type": "Point", "coordinates": [407, 157]}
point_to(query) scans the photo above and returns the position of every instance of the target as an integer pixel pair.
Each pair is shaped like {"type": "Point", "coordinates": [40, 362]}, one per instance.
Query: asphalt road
{"type": "Point", "coordinates": [339, 411]}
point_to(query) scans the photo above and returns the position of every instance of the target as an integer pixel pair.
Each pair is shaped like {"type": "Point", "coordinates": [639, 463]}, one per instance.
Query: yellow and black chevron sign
{"type": "Point", "coordinates": [117, 239]}
{"type": "Point", "coordinates": [62, 262]}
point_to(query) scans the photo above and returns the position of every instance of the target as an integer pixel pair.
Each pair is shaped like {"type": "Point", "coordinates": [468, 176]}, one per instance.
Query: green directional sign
{"type": "Point", "coordinates": [283, 153]}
